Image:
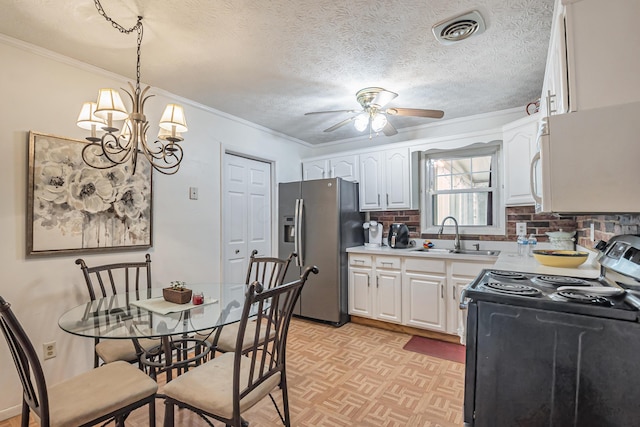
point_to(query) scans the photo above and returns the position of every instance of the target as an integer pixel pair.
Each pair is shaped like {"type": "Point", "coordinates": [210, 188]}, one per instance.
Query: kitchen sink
{"type": "Point", "coordinates": [461, 252]}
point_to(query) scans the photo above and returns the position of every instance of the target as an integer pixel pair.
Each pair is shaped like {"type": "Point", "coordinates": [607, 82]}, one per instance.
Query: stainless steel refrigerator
{"type": "Point", "coordinates": [319, 220]}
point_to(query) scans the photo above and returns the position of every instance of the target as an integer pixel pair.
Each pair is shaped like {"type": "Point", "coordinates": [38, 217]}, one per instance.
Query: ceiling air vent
{"type": "Point", "coordinates": [459, 28]}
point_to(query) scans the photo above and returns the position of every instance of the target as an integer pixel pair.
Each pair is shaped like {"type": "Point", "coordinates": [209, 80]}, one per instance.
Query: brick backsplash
{"type": "Point", "coordinates": [605, 226]}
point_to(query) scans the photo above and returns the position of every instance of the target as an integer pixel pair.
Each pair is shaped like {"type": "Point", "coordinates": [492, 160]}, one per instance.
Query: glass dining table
{"type": "Point", "coordinates": [182, 330]}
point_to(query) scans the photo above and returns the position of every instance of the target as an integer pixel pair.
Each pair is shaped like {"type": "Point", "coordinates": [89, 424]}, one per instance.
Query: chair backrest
{"type": "Point", "coordinates": [274, 308]}
{"type": "Point", "coordinates": [112, 279]}
{"type": "Point", "coordinates": [268, 271]}
{"type": "Point", "coordinates": [27, 363]}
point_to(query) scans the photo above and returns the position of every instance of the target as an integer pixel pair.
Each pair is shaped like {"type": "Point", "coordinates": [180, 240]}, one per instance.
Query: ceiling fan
{"type": "Point", "coordinates": [374, 116]}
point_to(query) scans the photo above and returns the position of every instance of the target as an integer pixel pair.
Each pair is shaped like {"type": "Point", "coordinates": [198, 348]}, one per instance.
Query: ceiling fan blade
{"type": "Point", "coordinates": [383, 98]}
{"type": "Point", "coordinates": [389, 130]}
{"type": "Point", "coordinates": [332, 111]}
{"type": "Point", "coordinates": [416, 112]}
{"type": "Point", "coordinates": [338, 125]}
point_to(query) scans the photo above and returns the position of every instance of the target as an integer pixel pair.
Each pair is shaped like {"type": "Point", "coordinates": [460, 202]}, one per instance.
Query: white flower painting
{"type": "Point", "coordinates": [73, 207]}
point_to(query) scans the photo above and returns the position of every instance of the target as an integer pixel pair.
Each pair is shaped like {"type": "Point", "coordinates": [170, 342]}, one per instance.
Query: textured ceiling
{"type": "Point", "coordinates": [269, 62]}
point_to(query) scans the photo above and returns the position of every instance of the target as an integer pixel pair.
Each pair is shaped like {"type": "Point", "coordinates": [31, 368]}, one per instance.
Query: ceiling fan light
{"type": "Point", "coordinates": [378, 122]}
{"type": "Point", "coordinates": [361, 122]}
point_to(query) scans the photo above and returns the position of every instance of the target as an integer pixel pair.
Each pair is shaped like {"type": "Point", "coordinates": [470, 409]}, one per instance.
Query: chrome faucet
{"type": "Point", "coordinates": [456, 242]}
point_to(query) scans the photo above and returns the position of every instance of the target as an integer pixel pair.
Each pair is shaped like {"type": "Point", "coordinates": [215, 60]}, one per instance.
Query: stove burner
{"type": "Point", "coordinates": [514, 289]}
{"type": "Point", "coordinates": [585, 298]}
{"type": "Point", "coordinates": [498, 274]}
{"type": "Point", "coordinates": [560, 280]}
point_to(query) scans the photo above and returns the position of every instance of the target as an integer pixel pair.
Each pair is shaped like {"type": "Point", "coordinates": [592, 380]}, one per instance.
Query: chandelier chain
{"type": "Point", "coordinates": [138, 28]}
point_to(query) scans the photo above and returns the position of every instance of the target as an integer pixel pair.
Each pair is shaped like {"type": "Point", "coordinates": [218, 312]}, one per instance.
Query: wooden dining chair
{"type": "Point", "coordinates": [229, 385]}
{"type": "Point", "coordinates": [270, 273]}
{"type": "Point", "coordinates": [112, 279]}
{"type": "Point", "coordinates": [110, 391]}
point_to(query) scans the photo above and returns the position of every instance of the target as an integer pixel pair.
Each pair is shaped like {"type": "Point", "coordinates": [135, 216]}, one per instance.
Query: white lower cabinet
{"type": "Point", "coordinates": [414, 291]}
{"type": "Point", "coordinates": [375, 287]}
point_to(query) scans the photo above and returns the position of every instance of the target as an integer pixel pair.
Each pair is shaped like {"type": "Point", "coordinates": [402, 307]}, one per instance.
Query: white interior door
{"type": "Point", "coordinates": [246, 214]}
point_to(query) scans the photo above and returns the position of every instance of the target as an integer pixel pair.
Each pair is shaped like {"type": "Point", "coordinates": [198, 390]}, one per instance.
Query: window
{"type": "Point", "coordinates": [463, 184]}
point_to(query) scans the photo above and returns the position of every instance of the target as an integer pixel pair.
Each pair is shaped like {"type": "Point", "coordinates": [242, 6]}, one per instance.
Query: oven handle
{"type": "Point", "coordinates": [464, 302]}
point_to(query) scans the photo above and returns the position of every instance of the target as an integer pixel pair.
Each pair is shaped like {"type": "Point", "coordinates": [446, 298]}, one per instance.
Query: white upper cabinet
{"type": "Point", "coordinates": [388, 180]}
{"type": "Point", "coordinates": [519, 143]}
{"type": "Point", "coordinates": [315, 169]}
{"type": "Point", "coordinates": [345, 167]}
{"type": "Point", "coordinates": [592, 60]}
{"type": "Point", "coordinates": [371, 181]}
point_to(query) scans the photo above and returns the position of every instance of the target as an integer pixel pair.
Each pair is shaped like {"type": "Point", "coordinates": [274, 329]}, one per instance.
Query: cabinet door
{"type": "Point", "coordinates": [457, 318]}
{"type": "Point", "coordinates": [345, 167]}
{"type": "Point", "coordinates": [424, 301]}
{"type": "Point", "coordinates": [371, 180]}
{"type": "Point", "coordinates": [388, 296]}
{"type": "Point", "coordinates": [315, 169]}
{"type": "Point", "coordinates": [360, 292]}
{"type": "Point", "coordinates": [519, 148]}
{"type": "Point", "coordinates": [397, 179]}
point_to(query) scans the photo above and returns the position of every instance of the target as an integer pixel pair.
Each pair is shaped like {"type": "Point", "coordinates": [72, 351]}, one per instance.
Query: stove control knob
{"type": "Point", "coordinates": [601, 245]}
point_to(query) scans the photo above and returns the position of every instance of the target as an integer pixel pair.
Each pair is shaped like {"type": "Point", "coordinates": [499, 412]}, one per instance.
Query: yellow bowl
{"type": "Point", "coordinates": [565, 259]}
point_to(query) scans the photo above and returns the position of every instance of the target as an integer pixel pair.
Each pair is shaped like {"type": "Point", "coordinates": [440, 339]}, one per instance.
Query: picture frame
{"type": "Point", "coordinates": [73, 208]}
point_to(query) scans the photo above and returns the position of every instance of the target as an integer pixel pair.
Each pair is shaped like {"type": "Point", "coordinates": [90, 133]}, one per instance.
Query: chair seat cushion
{"type": "Point", "coordinates": [209, 387]}
{"type": "Point", "coordinates": [98, 392]}
{"type": "Point", "coordinates": [112, 350]}
{"type": "Point", "coordinates": [229, 336]}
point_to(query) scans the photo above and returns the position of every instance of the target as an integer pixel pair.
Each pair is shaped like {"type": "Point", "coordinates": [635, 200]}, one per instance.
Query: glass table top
{"type": "Point", "coordinates": [145, 314]}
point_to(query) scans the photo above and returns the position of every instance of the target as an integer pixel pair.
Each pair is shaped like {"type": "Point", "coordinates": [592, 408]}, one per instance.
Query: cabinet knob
{"type": "Point", "coordinates": [237, 251]}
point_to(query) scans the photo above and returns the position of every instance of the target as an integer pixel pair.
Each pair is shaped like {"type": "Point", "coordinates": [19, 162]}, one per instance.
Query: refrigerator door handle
{"type": "Point", "coordinates": [298, 233]}
{"type": "Point", "coordinates": [299, 228]}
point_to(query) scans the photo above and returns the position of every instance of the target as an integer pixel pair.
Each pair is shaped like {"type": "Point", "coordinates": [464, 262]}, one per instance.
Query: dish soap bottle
{"type": "Point", "coordinates": [531, 243]}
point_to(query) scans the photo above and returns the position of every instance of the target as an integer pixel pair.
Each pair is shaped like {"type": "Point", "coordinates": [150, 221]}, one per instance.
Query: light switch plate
{"type": "Point", "coordinates": [193, 193]}
{"type": "Point", "coordinates": [521, 228]}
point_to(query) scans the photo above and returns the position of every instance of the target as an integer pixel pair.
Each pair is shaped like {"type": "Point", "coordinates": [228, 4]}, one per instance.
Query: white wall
{"type": "Point", "coordinates": [43, 92]}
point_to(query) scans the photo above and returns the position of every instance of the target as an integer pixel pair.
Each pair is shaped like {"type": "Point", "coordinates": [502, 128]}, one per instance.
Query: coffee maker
{"type": "Point", "coordinates": [372, 234]}
{"type": "Point", "coordinates": [398, 236]}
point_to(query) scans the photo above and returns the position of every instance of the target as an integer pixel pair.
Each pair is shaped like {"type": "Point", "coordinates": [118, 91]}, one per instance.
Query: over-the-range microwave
{"type": "Point", "coordinates": [588, 161]}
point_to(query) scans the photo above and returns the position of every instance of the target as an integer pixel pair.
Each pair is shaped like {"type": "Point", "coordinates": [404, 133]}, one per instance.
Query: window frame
{"type": "Point", "coordinates": [493, 149]}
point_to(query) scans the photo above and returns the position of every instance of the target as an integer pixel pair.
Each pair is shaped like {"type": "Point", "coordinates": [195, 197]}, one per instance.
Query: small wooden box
{"type": "Point", "coordinates": [177, 296]}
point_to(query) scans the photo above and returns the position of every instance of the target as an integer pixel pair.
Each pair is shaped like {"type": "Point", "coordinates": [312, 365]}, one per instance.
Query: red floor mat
{"type": "Point", "coordinates": [436, 348]}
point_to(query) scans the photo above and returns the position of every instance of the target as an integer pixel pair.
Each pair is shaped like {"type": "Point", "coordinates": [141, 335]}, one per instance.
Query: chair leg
{"type": "Point", "coordinates": [285, 402]}
{"type": "Point", "coordinates": [168, 414]}
{"type": "Point", "coordinates": [24, 422]}
{"type": "Point", "coordinates": [152, 413]}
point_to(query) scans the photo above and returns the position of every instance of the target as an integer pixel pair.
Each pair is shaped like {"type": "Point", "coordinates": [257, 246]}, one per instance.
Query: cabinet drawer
{"type": "Point", "coordinates": [388, 262]}
{"type": "Point", "coordinates": [468, 268]}
{"type": "Point", "coordinates": [358, 260]}
{"type": "Point", "coordinates": [424, 265]}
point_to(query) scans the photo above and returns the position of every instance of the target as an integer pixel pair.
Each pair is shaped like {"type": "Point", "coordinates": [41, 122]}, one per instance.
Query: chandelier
{"type": "Point", "coordinates": [121, 144]}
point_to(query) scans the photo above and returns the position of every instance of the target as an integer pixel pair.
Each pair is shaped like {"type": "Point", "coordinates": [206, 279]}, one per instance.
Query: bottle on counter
{"type": "Point", "coordinates": [522, 245]}
{"type": "Point", "coordinates": [531, 243]}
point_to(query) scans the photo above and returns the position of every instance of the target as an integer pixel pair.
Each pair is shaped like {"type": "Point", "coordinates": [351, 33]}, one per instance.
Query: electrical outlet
{"type": "Point", "coordinates": [193, 193]}
{"type": "Point", "coordinates": [521, 228]}
{"type": "Point", "coordinates": [49, 350]}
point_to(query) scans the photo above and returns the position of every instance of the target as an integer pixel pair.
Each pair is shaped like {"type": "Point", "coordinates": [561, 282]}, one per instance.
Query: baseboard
{"type": "Point", "coordinates": [405, 329]}
{"type": "Point", "coordinates": [11, 412]}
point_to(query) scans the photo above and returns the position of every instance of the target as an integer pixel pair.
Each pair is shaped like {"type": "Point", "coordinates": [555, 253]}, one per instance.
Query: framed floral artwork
{"type": "Point", "coordinates": [74, 208]}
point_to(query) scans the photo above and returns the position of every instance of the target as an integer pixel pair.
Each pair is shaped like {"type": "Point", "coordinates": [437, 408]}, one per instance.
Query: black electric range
{"type": "Point", "coordinates": [555, 351]}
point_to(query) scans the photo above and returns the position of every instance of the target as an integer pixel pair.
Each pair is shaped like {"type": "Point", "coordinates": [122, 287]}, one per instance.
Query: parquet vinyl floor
{"type": "Point", "coordinates": [354, 375]}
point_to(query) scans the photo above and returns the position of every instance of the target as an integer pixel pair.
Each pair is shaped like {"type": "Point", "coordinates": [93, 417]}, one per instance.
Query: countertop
{"type": "Point", "coordinates": [412, 252]}
{"type": "Point", "coordinates": [511, 261]}
{"type": "Point", "coordinates": [507, 260]}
